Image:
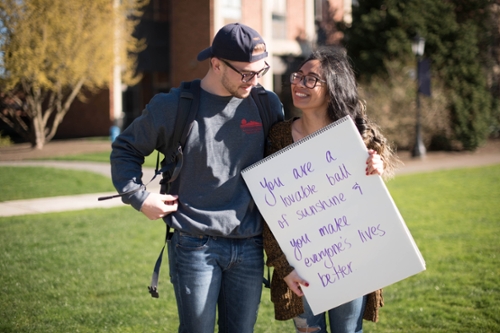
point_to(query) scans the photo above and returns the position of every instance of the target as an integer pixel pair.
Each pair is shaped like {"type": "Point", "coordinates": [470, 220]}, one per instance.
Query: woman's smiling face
{"type": "Point", "coordinates": [305, 98]}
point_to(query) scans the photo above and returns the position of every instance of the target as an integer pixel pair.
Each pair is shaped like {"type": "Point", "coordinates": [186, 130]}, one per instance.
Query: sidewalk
{"type": "Point", "coordinates": [23, 155]}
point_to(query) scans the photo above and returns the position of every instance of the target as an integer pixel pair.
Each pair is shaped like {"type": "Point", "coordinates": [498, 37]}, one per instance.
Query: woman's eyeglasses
{"type": "Point", "coordinates": [246, 77]}
{"type": "Point", "coordinates": [308, 81]}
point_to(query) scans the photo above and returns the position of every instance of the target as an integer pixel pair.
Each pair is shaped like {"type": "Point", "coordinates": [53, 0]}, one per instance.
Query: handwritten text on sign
{"type": "Point", "coordinates": [338, 227]}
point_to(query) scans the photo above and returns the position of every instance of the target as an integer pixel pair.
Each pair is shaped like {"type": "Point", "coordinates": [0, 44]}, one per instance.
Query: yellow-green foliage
{"type": "Point", "coordinates": [52, 49]}
{"type": "Point", "coordinates": [4, 140]}
{"type": "Point", "coordinates": [53, 44]}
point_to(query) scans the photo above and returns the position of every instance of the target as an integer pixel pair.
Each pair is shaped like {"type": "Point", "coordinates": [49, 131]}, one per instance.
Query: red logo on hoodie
{"type": "Point", "coordinates": [250, 127]}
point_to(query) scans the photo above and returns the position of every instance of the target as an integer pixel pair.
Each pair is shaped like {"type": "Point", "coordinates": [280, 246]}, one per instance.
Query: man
{"type": "Point", "coordinates": [215, 254]}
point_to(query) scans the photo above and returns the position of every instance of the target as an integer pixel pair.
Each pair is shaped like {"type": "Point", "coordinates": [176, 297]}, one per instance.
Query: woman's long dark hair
{"type": "Point", "coordinates": [344, 100]}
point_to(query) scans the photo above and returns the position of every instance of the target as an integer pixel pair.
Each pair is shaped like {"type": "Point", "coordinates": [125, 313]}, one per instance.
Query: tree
{"type": "Point", "coordinates": [52, 50]}
{"type": "Point", "coordinates": [457, 36]}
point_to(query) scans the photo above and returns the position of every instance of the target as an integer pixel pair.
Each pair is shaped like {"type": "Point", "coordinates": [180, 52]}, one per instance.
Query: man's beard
{"type": "Point", "coordinates": [233, 89]}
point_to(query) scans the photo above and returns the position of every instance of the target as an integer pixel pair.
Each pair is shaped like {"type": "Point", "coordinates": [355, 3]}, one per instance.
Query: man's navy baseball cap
{"type": "Point", "coordinates": [234, 42]}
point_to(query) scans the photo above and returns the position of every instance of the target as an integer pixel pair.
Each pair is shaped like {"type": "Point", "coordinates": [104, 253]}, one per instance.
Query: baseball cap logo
{"type": "Point", "coordinates": [234, 42]}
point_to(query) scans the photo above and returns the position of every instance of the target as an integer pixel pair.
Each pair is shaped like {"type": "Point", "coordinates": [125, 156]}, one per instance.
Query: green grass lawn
{"type": "Point", "coordinates": [40, 182]}
{"type": "Point", "coordinates": [89, 157]}
{"type": "Point", "coordinates": [149, 161]}
{"type": "Point", "coordinates": [88, 271]}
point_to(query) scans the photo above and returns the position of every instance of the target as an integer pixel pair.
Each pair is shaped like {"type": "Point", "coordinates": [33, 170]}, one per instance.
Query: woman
{"type": "Point", "coordinates": [325, 90]}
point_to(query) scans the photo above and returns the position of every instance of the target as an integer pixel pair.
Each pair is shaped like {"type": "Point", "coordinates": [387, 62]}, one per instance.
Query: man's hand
{"type": "Point", "coordinates": [293, 281]}
{"type": "Point", "coordinates": [157, 205]}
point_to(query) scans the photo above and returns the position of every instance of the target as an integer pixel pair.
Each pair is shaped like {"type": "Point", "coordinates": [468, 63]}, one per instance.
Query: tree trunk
{"type": "Point", "coordinates": [38, 131]}
{"type": "Point", "coordinates": [43, 125]}
{"type": "Point", "coordinates": [62, 108]}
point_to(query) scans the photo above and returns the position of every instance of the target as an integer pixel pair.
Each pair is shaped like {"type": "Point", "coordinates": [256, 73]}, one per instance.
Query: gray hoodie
{"type": "Point", "coordinates": [227, 136]}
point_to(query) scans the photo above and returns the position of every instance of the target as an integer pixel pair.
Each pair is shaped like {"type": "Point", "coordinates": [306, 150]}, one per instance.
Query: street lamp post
{"type": "Point", "coordinates": [418, 45]}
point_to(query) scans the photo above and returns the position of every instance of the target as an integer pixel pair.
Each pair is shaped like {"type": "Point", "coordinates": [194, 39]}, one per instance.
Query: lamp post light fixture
{"type": "Point", "coordinates": [417, 46]}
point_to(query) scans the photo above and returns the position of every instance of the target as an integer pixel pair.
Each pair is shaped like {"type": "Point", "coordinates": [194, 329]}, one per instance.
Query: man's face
{"type": "Point", "coordinates": [232, 76]}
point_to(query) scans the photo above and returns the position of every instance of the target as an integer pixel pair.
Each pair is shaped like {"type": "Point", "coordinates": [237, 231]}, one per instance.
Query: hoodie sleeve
{"type": "Point", "coordinates": [151, 131]}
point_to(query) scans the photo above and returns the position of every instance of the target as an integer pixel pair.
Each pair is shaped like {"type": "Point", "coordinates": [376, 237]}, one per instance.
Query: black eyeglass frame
{"type": "Point", "coordinates": [303, 79]}
{"type": "Point", "coordinates": [248, 76]}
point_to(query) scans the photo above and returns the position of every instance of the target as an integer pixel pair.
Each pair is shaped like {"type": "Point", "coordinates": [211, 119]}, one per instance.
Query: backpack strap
{"type": "Point", "coordinates": [184, 120]}
{"type": "Point", "coordinates": [172, 163]}
{"type": "Point", "coordinates": [261, 98]}
{"type": "Point", "coordinates": [259, 95]}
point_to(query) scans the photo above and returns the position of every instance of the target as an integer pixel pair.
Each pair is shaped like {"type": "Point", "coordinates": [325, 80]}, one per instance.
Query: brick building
{"type": "Point", "coordinates": [176, 31]}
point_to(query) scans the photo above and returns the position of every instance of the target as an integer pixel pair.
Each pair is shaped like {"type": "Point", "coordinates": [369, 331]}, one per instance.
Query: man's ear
{"type": "Point", "coordinates": [215, 63]}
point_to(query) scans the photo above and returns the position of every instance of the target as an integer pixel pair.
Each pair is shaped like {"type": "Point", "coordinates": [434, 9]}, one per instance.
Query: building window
{"type": "Point", "coordinates": [231, 11]}
{"type": "Point", "coordinates": [279, 19]}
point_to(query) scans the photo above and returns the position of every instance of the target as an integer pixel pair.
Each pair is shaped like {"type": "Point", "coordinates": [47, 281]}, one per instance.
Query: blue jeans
{"type": "Point", "coordinates": [213, 274]}
{"type": "Point", "coordinates": [345, 318]}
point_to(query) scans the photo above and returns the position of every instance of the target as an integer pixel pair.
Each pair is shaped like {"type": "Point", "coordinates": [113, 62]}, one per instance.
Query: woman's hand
{"type": "Point", "coordinates": [374, 164]}
{"type": "Point", "coordinates": [293, 280]}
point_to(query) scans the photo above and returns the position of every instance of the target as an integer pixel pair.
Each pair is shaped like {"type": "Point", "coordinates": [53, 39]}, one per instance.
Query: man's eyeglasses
{"type": "Point", "coordinates": [246, 77]}
{"type": "Point", "coordinates": [308, 81]}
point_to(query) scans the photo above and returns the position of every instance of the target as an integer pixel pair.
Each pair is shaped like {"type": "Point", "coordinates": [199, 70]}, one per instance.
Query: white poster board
{"type": "Point", "coordinates": [339, 228]}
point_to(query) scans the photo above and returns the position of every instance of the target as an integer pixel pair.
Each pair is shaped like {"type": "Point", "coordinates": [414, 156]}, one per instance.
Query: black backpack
{"type": "Point", "coordinates": [171, 165]}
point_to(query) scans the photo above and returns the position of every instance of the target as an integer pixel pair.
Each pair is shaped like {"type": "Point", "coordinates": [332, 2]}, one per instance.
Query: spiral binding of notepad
{"type": "Point", "coordinates": [297, 143]}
